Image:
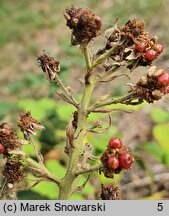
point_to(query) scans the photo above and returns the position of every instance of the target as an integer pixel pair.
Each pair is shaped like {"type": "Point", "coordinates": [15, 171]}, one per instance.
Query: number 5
{"type": "Point", "coordinates": [160, 207]}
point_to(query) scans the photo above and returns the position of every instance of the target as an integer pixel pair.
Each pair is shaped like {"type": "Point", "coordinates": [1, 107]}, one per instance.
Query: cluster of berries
{"type": "Point", "coordinates": [153, 86]}
{"type": "Point", "coordinates": [116, 158]}
{"type": "Point", "coordinates": [135, 46]}
{"type": "Point", "coordinates": [149, 48]}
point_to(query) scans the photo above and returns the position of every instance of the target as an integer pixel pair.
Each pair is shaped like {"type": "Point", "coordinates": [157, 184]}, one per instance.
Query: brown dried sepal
{"type": "Point", "coordinates": [8, 138]}
{"type": "Point", "coordinates": [29, 125]}
{"type": "Point", "coordinates": [13, 171]}
{"type": "Point", "coordinates": [147, 87]}
{"type": "Point", "coordinates": [49, 66]}
{"type": "Point", "coordinates": [75, 120]}
{"type": "Point", "coordinates": [110, 193]}
{"type": "Point", "coordinates": [127, 33]}
{"type": "Point", "coordinates": [127, 36]}
{"type": "Point", "coordinates": [109, 152]}
{"type": "Point", "coordinates": [70, 133]}
{"type": "Point", "coordinates": [84, 23]}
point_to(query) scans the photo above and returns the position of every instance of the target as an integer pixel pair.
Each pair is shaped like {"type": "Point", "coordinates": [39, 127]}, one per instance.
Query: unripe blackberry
{"type": "Point", "coordinates": [125, 160]}
{"type": "Point", "coordinates": [151, 54]}
{"type": "Point", "coordinates": [113, 163]}
{"type": "Point", "coordinates": [115, 143]}
{"type": "Point", "coordinates": [163, 79]}
{"type": "Point", "coordinates": [142, 45]}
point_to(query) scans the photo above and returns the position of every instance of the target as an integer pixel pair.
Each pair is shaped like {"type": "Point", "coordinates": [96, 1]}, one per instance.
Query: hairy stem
{"type": "Point", "coordinates": [95, 168]}
{"type": "Point", "coordinates": [87, 57]}
{"type": "Point", "coordinates": [102, 57]}
{"type": "Point", "coordinates": [37, 154]}
{"type": "Point", "coordinates": [70, 179]}
{"type": "Point", "coordinates": [65, 91]}
{"type": "Point", "coordinates": [44, 172]}
{"type": "Point", "coordinates": [122, 100]}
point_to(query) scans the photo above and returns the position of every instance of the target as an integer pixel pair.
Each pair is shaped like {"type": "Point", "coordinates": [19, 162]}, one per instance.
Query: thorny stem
{"type": "Point", "coordinates": [37, 154]}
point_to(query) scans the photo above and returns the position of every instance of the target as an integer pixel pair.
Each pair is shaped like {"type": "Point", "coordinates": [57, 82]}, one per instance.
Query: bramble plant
{"type": "Point", "coordinates": [127, 47]}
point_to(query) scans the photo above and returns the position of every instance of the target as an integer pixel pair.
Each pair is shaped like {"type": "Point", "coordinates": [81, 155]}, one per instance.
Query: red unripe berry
{"type": "Point", "coordinates": [113, 163]}
{"type": "Point", "coordinates": [163, 79]}
{"type": "Point", "coordinates": [151, 54]}
{"type": "Point", "coordinates": [141, 46]}
{"type": "Point", "coordinates": [2, 149]}
{"type": "Point", "coordinates": [159, 48]}
{"type": "Point", "coordinates": [115, 143]}
{"type": "Point", "coordinates": [166, 90]}
{"type": "Point", "coordinates": [125, 160]}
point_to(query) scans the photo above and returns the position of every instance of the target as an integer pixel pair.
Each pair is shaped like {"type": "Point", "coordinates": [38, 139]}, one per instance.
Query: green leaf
{"type": "Point", "coordinates": [65, 111]}
{"type": "Point", "coordinates": [56, 168]}
{"type": "Point", "coordinates": [46, 189]}
{"type": "Point", "coordinates": [127, 107]}
{"type": "Point", "coordinates": [159, 115]}
{"type": "Point", "coordinates": [30, 195]}
{"type": "Point", "coordinates": [154, 149]}
{"type": "Point", "coordinates": [161, 134]}
{"type": "Point", "coordinates": [88, 187]}
{"type": "Point", "coordinates": [158, 152]}
{"type": "Point", "coordinates": [28, 149]}
{"type": "Point", "coordinates": [6, 107]}
{"type": "Point", "coordinates": [76, 196]}
{"type": "Point", "coordinates": [38, 108]}
{"type": "Point", "coordinates": [105, 180]}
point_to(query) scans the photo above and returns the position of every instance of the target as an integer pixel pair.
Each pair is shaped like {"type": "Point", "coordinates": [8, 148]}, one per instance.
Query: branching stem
{"type": "Point", "coordinates": [65, 91]}
{"type": "Point", "coordinates": [37, 154]}
{"type": "Point", "coordinates": [95, 168]}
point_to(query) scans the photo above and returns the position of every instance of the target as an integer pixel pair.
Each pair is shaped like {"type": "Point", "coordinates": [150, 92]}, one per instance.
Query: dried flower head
{"type": "Point", "coordinates": [110, 193]}
{"type": "Point", "coordinates": [49, 66]}
{"type": "Point", "coordinates": [29, 125]}
{"type": "Point", "coordinates": [84, 23]}
{"type": "Point", "coordinates": [13, 171]}
{"type": "Point", "coordinates": [153, 86]}
{"type": "Point", "coordinates": [136, 47]}
{"type": "Point", "coordinates": [8, 138]}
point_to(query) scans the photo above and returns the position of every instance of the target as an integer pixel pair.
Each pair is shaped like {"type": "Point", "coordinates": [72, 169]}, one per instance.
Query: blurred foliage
{"type": "Point", "coordinates": [27, 27]}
